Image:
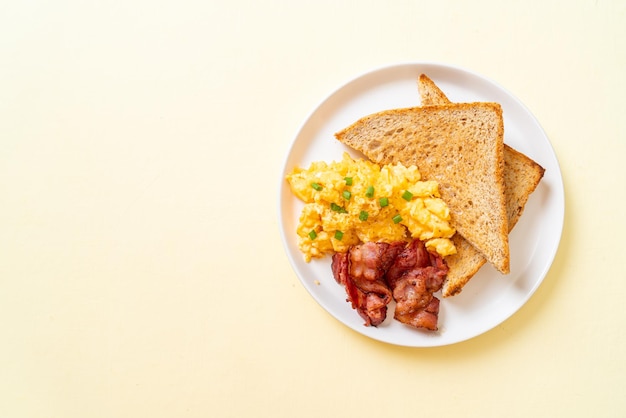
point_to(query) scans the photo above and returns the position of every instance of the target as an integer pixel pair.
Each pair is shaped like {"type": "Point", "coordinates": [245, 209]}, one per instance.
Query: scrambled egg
{"type": "Point", "coordinates": [353, 201]}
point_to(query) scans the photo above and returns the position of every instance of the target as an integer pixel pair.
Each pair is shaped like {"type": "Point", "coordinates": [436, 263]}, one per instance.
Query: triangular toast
{"type": "Point", "coordinates": [458, 145]}
{"type": "Point", "coordinates": [521, 177]}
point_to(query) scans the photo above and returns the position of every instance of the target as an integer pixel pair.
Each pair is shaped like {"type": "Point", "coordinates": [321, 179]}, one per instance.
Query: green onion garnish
{"type": "Point", "coordinates": [338, 235]}
{"type": "Point", "coordinates": [397, 219]}
{"type": "Point", "coordinates": [348, 181]}
{"type": "Point", "coordinates": [363, 216]}
{"type": "Point", "coordinates": [336, 208]}
{"type": "Point", "coordinates": [312, 234]}
{"type": "Point", "coordinates": [316, 186]}
{"type": "Point", "coordinates": [346, 195]}
{"type": "Point", "coordinates": [370, 192]}
{"type": "Point", "coordinates": [383, 201]}
{"type": "Point", "coordinates": [407, 195]}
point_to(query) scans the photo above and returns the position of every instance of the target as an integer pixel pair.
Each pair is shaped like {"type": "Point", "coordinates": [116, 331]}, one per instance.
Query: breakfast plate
{"type": "Point", "coordinates": [490, 297]}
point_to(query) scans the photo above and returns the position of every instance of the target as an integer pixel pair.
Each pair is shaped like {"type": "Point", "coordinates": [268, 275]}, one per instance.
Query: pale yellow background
{"type": "Point", "coordinates": [141, 268]}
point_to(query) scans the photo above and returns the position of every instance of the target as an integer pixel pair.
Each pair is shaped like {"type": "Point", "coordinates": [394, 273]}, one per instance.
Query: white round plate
{"type": "Point", "coordinates": [489, 298]}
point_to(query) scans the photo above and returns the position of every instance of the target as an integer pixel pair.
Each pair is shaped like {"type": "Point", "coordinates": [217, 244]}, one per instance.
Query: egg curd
{"type": "Point", "coordinates": [352, 201]}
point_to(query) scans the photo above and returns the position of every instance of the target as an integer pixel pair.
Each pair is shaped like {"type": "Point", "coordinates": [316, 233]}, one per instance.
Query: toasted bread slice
{"type": "Point", "coordinates": [458, 145]}
{"type": "Point", "coordinates": [430, 93]}
{"type": "Point", "coordinates": [521, 177]}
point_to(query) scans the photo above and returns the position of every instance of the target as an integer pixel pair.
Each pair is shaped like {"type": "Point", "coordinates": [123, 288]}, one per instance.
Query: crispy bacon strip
{"type": "Point", "coordinates": [371, 307]}
{"type": "Point", "coordinates": [426, 318]}
{"type": "Point", "coordinates": [361, 271]}
{"type": "Point", "coordinates": [413, 277]}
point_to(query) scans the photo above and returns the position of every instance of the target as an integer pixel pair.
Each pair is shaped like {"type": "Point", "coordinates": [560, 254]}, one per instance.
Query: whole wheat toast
{"type": "Point", "coordinates": [521, 177]}
{"type": "Point", "coordinates": [458, 145]}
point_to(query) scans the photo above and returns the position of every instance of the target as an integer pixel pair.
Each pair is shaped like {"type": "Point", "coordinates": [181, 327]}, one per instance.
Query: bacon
{"type": "Point", "coordinates": [413, 277]}
{"type": "Point", "coordinates": [425, 318]}
{"type": "Point", "coordinates": [375, 273]}
{"type": "Point", "coordinates": [370, 306]}
{"type": "Point", "coordinates": [361, 271]}
{"type": "Point", "coordinates": [368, 264]}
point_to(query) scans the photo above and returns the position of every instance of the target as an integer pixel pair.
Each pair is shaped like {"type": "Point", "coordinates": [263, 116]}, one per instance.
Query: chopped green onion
{"type": "Point", "coordinates": [316, 186]}
{"type": "Point", "coordinates": [383, 201]}
{"type": "Point", "coordinates": [338, 235]}
{"type": "Point", "coordinates": [363, 216]}
{"type": "Point", "coordinates": [346, 195]}
{"type": "Point", "coordinates": [407, 195]}
{"type": "Point", "coordinates": [397, 219]}
{"type": "Point", "coordinates": [336, 208]}
{"type": "Point", "coordinates": [370, 192]}
{"type": "Point", "coordinates": [312, 234]}
{"type": "Point", "coordinates": [348, 181]}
